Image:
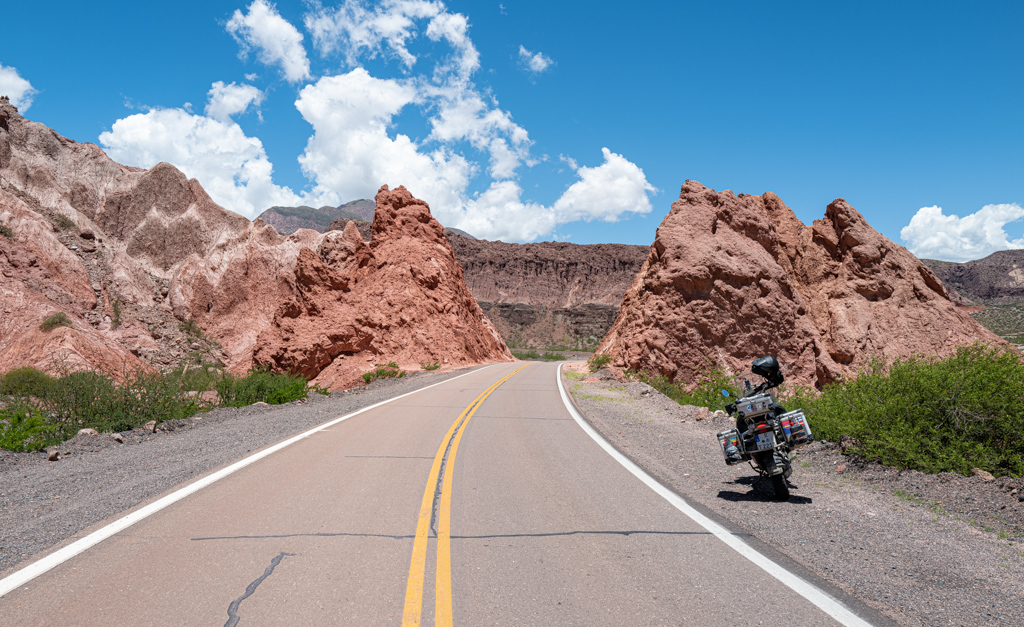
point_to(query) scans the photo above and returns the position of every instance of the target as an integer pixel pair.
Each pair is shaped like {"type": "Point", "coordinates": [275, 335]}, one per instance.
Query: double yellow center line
{"type": "Point", "coordinates": [418, 566]}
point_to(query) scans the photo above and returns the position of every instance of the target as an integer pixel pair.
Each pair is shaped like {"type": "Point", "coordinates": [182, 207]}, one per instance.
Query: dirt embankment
{"type": "Point", "coordinates": [922, 549]}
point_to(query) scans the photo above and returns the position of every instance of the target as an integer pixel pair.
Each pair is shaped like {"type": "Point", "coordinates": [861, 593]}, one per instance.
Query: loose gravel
{"type": "Point", "coordinates": [44, 504]}
{"type": "Point", "coordinates": [921, 549]}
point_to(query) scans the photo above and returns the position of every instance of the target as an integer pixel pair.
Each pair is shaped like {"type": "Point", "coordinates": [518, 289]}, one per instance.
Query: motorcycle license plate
{"type": "Point", "coordinates": [765, 441]}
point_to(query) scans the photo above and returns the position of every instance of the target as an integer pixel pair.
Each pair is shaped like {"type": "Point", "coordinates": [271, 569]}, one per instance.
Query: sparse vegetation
{"type": "Point", "coordinates": [6, 231]}
{"type": "Point", "coordinates": [23, 428]}
{"type": "Point", "coordinates": [707, 391]}
{"type": "Point", "coordinates": [599, 361]}
{"type": "Point", "coordinates": [430, 365]}
{"type": "Point", "coordinates": [115, 320]}
{"type": "Point", "coordinates": [38, 410]}
{"type": "Point", "coordinates": [64, 223]}
{"type": "Point", "coordinates": [58, 319]}
{"type": "Point", "coordinates": [25, 382]}
{"type": "Point", "coordinates": [532, 354]}
{"type": "Point", "coordinates": [389, 370]}
{"type": "Point", "coordinates": [191, 327]}
{"type": "Point", "coordinates": [262, 386]}
{"type": "Point", "coordinates": [929, 414]}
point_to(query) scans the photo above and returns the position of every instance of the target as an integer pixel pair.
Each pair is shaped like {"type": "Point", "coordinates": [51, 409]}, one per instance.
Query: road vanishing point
{"type": "Point", "coordinates": [481, 500]}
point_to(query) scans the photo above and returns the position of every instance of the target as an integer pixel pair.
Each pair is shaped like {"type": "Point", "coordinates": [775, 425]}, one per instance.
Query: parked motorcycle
{"type": "Point", "coordinates": [765, 433]}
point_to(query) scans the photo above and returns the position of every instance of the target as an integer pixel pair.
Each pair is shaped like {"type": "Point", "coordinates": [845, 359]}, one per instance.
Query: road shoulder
{"type": "Point", "coordinates": [911, 564]}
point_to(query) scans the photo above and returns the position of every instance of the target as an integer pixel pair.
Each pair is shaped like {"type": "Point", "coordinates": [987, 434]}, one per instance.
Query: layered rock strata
{"type": "Point", "coordinates": [130, 254]}
{"type": "Point", "coordinates": [548, 293]}
{"type": "Point", "coordinates": [731, 278]}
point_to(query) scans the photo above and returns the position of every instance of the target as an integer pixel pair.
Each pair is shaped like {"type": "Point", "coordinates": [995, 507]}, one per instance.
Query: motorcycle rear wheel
{"type": "Point", "coordinates": [781, 488]}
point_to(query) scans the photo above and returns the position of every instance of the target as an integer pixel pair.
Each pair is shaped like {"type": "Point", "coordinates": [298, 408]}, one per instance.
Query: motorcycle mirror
{"type": "Point", "coordinates": [725, 393]}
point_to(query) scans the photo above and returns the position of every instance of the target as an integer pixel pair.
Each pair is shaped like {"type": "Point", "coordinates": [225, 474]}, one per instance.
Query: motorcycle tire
{"type": "Point", "coordinates": [781, 488]}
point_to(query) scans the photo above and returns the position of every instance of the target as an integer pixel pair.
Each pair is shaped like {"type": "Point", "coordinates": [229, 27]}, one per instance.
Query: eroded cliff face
{"type": "Point", "coordinates": [732, 278]}
{"type": "Point", "coordinates": [128, 254]}
{"type": "Point", "coordinates": [548, 293]}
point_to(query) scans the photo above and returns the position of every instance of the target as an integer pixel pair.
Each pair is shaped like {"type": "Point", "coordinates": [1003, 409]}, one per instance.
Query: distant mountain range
{"type": "Point", "coordinates": [995, 283]}
{"type": "Point", "coordinates": [995, 280]}
{"type": "Point", "coordinates": [287, 220]}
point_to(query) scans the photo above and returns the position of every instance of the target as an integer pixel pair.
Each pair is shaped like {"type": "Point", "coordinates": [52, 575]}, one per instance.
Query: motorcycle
{"type": "Point", "coordinates": [766, 434]}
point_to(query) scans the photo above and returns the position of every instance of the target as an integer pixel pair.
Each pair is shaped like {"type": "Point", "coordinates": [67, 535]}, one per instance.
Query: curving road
{"type": "Point", "coordinates": [478, 501]}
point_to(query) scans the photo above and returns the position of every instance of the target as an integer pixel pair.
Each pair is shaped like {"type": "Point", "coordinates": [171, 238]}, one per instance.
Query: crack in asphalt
{"type": "Point", "coordinates": [551, 534]}
{"type": "Point", "coordinates": [251, 588]}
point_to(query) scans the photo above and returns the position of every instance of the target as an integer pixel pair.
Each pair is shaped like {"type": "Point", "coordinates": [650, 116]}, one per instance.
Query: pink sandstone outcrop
{"type": "Point", "coordinates": [130, 254]}
{"type": "Point", "coordinates": [732, 278]}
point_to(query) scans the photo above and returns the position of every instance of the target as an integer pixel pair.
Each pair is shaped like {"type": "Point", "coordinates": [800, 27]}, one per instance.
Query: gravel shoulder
{"type": "Point", "coordinates": [921, 549]}
{"type": "Point", "coordinates": [45, 504]}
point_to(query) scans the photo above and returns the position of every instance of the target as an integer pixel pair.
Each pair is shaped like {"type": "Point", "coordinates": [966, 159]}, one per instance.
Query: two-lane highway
{"type": "Point", "coordinates": [477, 501]}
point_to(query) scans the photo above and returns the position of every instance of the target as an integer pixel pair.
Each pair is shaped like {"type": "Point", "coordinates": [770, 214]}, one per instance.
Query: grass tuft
{"type": "Point", "coordinates": [59, 319]}
{"type": "Point", "coordinates": [706, 392]}
{"type": "Point", "coordinates": [597, 362]}
{"type": "Point", "coordinates": [64, 223]}
{"type": "Point", "coordinates": [430, 365]}
{"type": "Point", "coordinates": [389, 370]}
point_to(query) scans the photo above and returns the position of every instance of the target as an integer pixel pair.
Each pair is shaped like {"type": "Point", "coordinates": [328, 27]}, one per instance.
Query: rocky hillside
{"type": "Point", "coordinates": [548, 293]}
{"type": "Point", "coordinates": [287, 220]}
{"type": "Point", "coordinates": [993, 287]}
{"type": "Point", "coordinates": [129, 256]}
{"type": "Point", "coordinates": [997, 279]}
{"type": "Point", "coordinates": [731, 278]}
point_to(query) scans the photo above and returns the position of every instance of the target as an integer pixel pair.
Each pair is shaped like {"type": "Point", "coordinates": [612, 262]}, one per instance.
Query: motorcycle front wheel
{"type": "Point", "coordinates": [781, 488]}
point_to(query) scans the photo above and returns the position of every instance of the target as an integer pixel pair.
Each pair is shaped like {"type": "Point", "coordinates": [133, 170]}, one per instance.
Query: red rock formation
{"type": "Point", "coordinates": [155, 249]}
{"type": "Point", "coordinates": [730, 279]}
{"type": "Point", "coordinates": [401, 298]}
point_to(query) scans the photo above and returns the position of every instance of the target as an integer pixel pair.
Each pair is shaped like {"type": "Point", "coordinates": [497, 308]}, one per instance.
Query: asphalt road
{"type": "Point", "coordinates": [397, 515]}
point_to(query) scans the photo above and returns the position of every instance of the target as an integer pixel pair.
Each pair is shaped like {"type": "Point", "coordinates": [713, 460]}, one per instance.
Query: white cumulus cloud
{"type": "Point", "coordinates": [228, 100]}
{"type": "Point", "coordinates": [352, 30]}
{"type": "Point", "coordinates": [274, 38]}
{"type": "Point", "coordinates": [351, 152]}
{"type": "Point", "coordinates": [355, 147]}
{"type": "Point", "coordinates": [19, 90]}
{"type": "Point", "coordinates": [536, 62]}
{"type": "Point", "coordinates": [934, 235]}
{"type": "Point", "coordinates": [606, 192]}
{"type": "Point", "coordinates": [233, 168]}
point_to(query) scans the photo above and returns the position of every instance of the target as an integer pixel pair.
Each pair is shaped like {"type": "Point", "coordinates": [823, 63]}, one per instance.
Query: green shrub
{"type": "Point", "coordinates": [24, 428]}
{"type": "Point", "coordinates": [93, 399]}
{"type": "Point", "coordinates": [64, 223]}
{"type": "Point", "coordinates": [389, 370]}
{"type": "Point", "coordinates": [599, 361]}
{"type": "Point", "coordinates": [6, 231]}
{"type": "Point", "coordinates": [47, 410]}
{"type": "Point", "coordinates": [260, 385]}
{"type": "Point", "coordinates": [707, 392]}
{"type": "Point", "coordinates": [25, 382]}
{"type": "Point", "coordinates": [59, 319]}
{"type": "Point", "coordinates": [115, 320]}
{"type": "Point", "coordinates": [532, 354]}
{"type": "Point", "coordinates": [191, 327]}
{"type": "Point", "coordinates": [430, 365]}
{"type": "Point", "coordinates": [929, 414]}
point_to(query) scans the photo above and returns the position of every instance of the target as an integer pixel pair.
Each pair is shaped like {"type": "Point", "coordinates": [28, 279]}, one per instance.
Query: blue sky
{"type": "Point", "coordinates": [541, 120]}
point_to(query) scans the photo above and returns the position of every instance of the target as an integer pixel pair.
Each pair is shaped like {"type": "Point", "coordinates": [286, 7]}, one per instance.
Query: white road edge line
{"type": "Point", "coordinates": [33, 570]}
{"type": "Point", "coordinates": [828, 604]}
